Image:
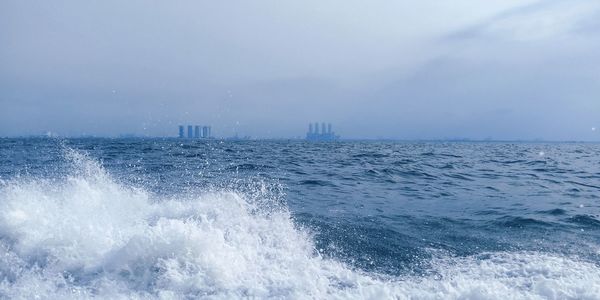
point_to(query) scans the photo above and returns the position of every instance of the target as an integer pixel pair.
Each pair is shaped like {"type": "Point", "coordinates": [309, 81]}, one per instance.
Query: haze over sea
{"type": "Point", "coordinates": [169, 218]}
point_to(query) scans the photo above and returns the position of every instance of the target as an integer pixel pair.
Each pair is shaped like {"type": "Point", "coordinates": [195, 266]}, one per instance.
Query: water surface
{"type": "Point", "coordinates": [169, 218]}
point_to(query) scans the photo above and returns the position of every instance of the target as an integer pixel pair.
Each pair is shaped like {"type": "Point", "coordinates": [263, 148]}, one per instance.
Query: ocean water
{"type": "Point", "coordinates": [182, 219]}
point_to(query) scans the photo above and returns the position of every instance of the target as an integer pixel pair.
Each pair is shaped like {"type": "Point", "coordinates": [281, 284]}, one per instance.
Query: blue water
{"type": "Point", "coordinates": [169, 218]}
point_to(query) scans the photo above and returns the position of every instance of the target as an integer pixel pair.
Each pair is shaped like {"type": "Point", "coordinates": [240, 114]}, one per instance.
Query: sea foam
{"type": "Point", "coordinates": [88, 236]}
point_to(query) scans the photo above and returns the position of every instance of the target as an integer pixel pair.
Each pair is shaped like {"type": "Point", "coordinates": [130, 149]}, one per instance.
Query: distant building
{"type": "Point", "coordinates": [326, 133]}
{"type": "Point", "coordinates": [195, 132]}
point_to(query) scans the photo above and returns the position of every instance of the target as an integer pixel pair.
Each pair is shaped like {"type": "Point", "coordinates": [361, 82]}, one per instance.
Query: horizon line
{"type": "Point", "coordinates": [297, 138]}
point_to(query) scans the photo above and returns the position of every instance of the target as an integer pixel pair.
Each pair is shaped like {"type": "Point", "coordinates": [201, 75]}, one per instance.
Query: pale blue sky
{"type": "Point", "coordinates": [389, 69]}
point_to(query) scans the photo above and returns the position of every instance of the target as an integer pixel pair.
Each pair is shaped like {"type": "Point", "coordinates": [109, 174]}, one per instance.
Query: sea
{"type": "Point", "coordinates": [136, 218]}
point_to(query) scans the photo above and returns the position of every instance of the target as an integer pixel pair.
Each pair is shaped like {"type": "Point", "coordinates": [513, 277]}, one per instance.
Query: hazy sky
{"type": "Point", "coordinates": [393, 69]}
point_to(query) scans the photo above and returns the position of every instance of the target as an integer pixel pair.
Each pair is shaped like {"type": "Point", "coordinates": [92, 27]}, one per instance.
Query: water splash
{"type": "Point", "coordinates": [89, 236]}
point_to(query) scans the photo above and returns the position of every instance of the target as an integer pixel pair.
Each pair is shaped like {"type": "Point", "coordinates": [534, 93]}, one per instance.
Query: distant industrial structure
{"type": "Point", "coordinates": [325, 134]}
{"type": "Point", "coordinates": [195, 132]}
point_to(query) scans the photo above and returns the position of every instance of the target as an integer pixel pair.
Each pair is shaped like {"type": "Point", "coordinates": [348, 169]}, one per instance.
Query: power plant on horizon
{"type": "Point", "coordinates": [195, 132]}
{"type": "Point", "coordinates": [326, 133]}
{"type": "Point", "coordinates": [314, 134]}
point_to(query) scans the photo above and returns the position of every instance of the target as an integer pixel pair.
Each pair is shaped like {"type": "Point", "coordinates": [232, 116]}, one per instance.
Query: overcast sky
{"type": "Point", "coordinates": [421, 69]}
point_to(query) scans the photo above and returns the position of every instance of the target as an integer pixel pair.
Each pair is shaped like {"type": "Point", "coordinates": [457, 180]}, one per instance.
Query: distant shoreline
{"type": "Point", "coordinates": [341, 140]}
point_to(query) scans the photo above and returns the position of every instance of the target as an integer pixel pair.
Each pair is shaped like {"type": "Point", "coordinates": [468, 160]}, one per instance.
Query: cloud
{"type": "Point", "coordinates": [537, 21]}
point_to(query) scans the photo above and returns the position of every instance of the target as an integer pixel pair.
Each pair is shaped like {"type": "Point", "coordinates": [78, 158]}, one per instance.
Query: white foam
{"type": "Point", "coordinates": [88, 236]}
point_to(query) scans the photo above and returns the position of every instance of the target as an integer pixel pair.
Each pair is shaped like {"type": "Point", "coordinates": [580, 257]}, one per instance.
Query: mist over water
{"type": "Point", "coordinates": [171, 219]}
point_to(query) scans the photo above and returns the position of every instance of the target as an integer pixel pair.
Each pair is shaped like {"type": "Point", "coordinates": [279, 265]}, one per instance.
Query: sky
{"type": "Point", "coordinates": [426, 69]}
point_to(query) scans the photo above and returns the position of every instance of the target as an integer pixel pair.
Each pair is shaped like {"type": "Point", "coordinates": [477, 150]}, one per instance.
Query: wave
{"type": "Point", "coordinates": [520, 222]}
{"type": "Point", "coordinates": [89, 236]}
{"type": "Point", "coordinates": [585, 220]}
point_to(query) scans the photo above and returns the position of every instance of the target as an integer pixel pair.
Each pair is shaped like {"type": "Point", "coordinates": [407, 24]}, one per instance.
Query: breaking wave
{"type": "Point", "coordinates": [89, 236]}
